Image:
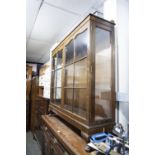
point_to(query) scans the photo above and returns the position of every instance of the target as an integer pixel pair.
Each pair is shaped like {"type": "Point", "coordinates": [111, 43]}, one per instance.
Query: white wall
{"type": "Point", "coordinates": [123, 57]}
{"type": "Point", "coordinates": [118, 10]}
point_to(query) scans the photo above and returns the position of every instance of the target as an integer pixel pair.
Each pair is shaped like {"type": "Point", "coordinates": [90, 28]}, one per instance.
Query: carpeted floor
{"type": "Point", "coordinates": [32, 146]}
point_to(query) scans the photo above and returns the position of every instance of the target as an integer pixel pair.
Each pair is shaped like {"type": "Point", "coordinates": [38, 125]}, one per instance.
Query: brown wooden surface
{"type": "Point", "coordinates": [28, 91]}
{"type": "Point", "coordinates": [28, 80]}
{"type": "Point", "coordinates": [43, 68]}
{"type": "Point", "coordinates": [41, 108]}
{"type": "Point", "coordinates": [34, 93]}
{"type": "Point", "coordinates": [72, 142]}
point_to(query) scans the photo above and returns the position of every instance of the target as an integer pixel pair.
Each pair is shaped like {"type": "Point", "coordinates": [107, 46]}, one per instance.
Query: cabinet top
{"type": "Point", "coordinates": [90, 17]}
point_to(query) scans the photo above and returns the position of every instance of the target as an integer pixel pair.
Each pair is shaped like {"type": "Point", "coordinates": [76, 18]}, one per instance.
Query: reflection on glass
{"type": "Point", "coordinates": [68, 99]}
{"type": "Point", "coordinates": [53, 93]}
{"type": "Point", "coordinates": [58, 95]}
{"type": "Point", "coordinates": [69, 52]}
{"type": "Point", "coordinates": [54, 62]}
{"type": "Point", "coordinates": [81, 42]}
{"type": "Point", "coordinates": [55, 79]}
{"type": "Point", "coordinates": [69, 70]}
{"type": "Point", "coordinates": [80, 78]}
{"type": "Point", "coordinates": [102, 74]}
{"type": "Point", "coordinates": [58, 77]}
{"type": "Point", "coordinates": [59, 59]}
{"type": "Point", "coordinates": [57, 86]}
{"type": "Point", "coordinates": [80, 102]}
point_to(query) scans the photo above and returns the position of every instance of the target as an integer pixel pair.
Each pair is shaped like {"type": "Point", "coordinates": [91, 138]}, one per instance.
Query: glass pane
{"type": "Point", "coordinates": [68, 99]}
{"type": "Point", "coordinates": [69, 70]}
{"type": "Point", "coordinates": [69, 52]}
{"type": "Point", "coordinates": [81, 74]}
{"type": "Point", "coordinates": [55, 79]}
{"type": "Point", "coordinates": [58, 77]}
{"type": "Point", "coordinates": [80, 102]}
{"type": "Point", "coordinates": [54, 62]}
{"type": "Point", "coordinates": [59, 59]}
{"type": "Point", "coordinates": [103, 107]}
{"type": "Point", "coordinates": [58, 96]}
{"type": "Point", "coordinates": [81, 42]}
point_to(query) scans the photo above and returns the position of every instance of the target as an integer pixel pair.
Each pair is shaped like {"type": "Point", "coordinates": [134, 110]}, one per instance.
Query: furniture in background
{"type": "Point", "coordinates": [39, 106]}
{"type": "Point", "coordinates": [28, 92]}
{"type": "Point", "coordinates": [34, 94]}
{"type": "Point", "coordinates": [42, 104]}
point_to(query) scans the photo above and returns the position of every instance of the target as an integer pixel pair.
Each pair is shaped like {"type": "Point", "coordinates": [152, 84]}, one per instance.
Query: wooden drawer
{"type": "Point", "coordinates": [59, 148]}
{"type": "Point", "coordinates": [55, 147]}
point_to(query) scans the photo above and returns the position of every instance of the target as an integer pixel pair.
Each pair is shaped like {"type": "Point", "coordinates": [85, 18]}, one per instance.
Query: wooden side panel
{"type": "Point", "coordinates": [28, 91]}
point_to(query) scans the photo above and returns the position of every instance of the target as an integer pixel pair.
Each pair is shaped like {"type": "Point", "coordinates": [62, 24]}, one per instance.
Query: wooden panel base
{"type": "Point", "coordinates": [86, 129]}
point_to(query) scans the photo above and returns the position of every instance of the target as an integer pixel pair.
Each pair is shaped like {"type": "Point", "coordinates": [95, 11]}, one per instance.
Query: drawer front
{"type": "Point", "coordinates": [58, 148]}
{"type": "Point", "coordinates": [48, 134]}
{"type": "Point", "coordinates": [55, 146]}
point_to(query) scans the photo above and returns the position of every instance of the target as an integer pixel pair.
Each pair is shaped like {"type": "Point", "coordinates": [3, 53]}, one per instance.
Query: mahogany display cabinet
{"type": "Point", "coordinates": [83, 76]}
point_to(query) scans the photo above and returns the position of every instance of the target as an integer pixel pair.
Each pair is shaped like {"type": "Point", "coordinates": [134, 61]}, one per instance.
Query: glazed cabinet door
{"type": "Point", "coordinates": [104, 77]}
{"type": "Point", "coordinates": [70, 74]}
{"type": "Point", "coordinates": [56, 86]}
{"type": "Point", "coordinates": [76, 73]}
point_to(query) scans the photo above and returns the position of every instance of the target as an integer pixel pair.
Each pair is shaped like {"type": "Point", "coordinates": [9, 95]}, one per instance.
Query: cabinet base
{"type": "Point", "coordinates": [86, 130]}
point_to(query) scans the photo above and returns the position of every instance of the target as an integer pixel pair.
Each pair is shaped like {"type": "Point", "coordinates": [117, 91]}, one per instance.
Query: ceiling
{"type": "Point", "coordinates": [49, 21]}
